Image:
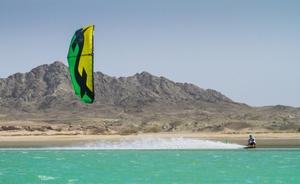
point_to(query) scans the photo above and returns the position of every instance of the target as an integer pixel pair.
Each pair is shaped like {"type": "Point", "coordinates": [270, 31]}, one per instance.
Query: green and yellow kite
{"type": "Point", "coordinates": [81, 63]}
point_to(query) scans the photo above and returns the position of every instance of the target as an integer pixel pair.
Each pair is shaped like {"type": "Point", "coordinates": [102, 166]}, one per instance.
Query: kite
{"type": "Point", "coordinates": [81, 63]}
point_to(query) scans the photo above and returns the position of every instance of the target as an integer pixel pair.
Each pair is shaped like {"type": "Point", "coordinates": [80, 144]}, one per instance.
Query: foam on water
{"type": "Point", "coordinates": [150, 143]}
{"type": "Point", "coordinates": [160, 143]}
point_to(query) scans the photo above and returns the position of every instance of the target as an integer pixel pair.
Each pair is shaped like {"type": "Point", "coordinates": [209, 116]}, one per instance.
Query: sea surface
{"type": "Point", "coordinates": [79, 165]}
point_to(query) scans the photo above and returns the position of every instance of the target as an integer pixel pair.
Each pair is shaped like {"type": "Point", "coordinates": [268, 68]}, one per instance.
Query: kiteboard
{"type": "Point", "coordinates": [249, 147]}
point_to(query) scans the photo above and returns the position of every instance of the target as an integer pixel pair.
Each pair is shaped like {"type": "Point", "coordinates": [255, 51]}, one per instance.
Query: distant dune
{"type": "Point", "coordinates": [42, 102]}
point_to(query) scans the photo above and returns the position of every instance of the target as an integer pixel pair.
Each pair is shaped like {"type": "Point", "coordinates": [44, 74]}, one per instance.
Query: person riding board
{"type": "Point", "coordinates": [251, 141]}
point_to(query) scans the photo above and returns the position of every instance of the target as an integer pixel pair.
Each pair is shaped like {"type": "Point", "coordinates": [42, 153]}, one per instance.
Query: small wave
{"type": "Point", "coordinates": [72, 181]}
{"type": "Point", "coordinates": [37, 157]}
{"type": "Point", "coordinates": [45, 178]}
{"type": "Point", "coordinates": [60, 158]}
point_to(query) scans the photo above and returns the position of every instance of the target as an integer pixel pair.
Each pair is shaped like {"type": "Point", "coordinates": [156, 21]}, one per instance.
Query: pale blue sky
{"type": "Point", "coordinates": [248, 50]}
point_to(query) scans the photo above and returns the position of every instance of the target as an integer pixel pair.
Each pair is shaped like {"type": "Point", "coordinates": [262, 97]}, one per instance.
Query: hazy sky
{"type": "Point", "coordinates": [248, 50]}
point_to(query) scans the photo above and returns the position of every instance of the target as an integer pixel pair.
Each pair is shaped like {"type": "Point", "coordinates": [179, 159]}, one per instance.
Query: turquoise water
{"type": "Point", "coordinates": [149, 166]}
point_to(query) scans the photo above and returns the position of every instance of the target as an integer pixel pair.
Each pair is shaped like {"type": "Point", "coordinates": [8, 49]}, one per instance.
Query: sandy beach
{"type": "Point", "coordinates": [264, 140]}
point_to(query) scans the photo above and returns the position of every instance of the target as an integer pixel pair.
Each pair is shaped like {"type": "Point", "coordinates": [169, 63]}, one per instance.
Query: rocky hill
{"type": "Point", "coordinates": [43, 98]}
{"type": "Point", "coordinates": [49, 85]}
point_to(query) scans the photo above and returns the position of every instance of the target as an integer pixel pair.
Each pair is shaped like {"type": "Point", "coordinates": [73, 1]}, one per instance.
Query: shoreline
{"type": "Point", "coordinates": [264, 140]}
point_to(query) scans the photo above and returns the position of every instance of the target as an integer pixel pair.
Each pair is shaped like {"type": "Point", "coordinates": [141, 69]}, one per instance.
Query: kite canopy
{"type": "Point", "coordinates": [81, 61]}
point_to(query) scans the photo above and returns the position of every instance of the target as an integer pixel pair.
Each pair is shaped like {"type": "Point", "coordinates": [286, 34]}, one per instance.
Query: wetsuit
{"type": "Point", "coordinates": [252, 141]}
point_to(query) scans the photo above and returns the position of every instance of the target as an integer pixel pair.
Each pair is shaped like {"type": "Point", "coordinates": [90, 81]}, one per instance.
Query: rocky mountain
{"type": "Point", "coordinates": [49, 86]}
{"type": "Point", "coordinates": [142, 102]}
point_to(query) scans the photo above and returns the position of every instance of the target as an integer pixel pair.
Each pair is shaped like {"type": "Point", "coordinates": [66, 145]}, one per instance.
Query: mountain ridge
{"type": "Point", "coordinates": [53, 80]}
{"type": "Point", "coordinates": [43, 100]}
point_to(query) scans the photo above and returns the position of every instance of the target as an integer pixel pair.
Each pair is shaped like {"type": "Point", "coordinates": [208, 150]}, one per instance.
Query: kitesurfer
{"type": "Point", "coordinates": [251, 141]}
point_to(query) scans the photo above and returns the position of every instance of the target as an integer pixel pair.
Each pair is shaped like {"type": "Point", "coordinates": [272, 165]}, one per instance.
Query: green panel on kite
{"type": "Point", "coordinates": [81, 63]}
